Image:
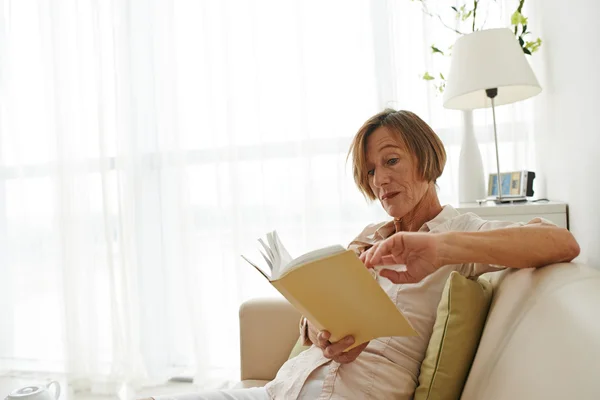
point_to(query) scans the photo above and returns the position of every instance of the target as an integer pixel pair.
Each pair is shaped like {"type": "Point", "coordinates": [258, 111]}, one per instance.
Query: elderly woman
{"type": "Point", "coordinates": [397, 159]}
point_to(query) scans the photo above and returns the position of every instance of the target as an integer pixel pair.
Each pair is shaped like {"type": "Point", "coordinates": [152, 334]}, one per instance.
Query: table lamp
{"type": "Point", "coordinates": [488, 69]}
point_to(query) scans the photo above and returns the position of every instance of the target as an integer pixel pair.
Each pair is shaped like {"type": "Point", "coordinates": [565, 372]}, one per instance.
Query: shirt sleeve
{"type": "Point", "coordinates": [473, 223]}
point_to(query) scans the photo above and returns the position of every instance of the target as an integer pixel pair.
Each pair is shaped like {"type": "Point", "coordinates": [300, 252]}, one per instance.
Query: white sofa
{"type": "Point", "coordinates": [541, 339]}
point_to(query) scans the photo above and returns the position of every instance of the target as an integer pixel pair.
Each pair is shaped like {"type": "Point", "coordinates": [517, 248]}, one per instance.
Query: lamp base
{"type": "Point", "coordinates": [471, 183]}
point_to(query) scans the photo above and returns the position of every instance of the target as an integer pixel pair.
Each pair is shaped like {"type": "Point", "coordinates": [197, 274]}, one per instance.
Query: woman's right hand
{"type": "Point", "coordinates": [334, 351]}
{"type": "Point", "coordinates": [418, 251]}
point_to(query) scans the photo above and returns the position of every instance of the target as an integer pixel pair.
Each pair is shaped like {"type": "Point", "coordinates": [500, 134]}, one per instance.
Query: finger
{"type": "Point", "coordinates": [349, 356]}
{"type": "Point", "coordinates": [385, 248]}
{"type": "Point", "coordinates": [363, 257]}
{"type": "Point", "coordinates": [323, 339]}
{"type": "Point", "coordinates": [398, 277]}
{"type": "Point", "coordinates": [337, 348]}
{"type": "Point", "coordinates": [367, 263]}
{"type": "Point", "coordinates": [369, 255]}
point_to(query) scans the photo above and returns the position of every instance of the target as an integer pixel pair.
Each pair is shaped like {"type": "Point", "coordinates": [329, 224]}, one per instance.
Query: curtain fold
{"type": "Point", "coordinates": [145, 145]}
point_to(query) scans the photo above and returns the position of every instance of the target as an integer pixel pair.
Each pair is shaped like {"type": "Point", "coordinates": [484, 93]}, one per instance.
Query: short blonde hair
{"type": "Point", "coordinates": [414, 133]}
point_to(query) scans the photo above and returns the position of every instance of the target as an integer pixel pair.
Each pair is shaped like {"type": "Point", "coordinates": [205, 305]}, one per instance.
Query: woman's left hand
{"type": "Point", "coordinates": [418, 251]}
{"type": "Point", "coordinates": [335, 351]}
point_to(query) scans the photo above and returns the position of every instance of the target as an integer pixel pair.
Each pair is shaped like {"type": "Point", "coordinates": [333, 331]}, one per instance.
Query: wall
{"type": "Point", "coordinates": [567, 113]}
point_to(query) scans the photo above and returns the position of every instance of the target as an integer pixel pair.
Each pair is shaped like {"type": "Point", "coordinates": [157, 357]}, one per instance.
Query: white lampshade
{"type": "Point", "coordinates": [485, 60]}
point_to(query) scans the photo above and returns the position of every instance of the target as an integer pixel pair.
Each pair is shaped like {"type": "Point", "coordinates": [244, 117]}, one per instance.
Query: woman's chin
{"type": "Point", "coordinates": [394, 211]}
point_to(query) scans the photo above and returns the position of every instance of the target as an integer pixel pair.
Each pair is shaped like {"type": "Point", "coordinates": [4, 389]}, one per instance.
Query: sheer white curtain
{"type": "Point", "coordinates": [145, 144]}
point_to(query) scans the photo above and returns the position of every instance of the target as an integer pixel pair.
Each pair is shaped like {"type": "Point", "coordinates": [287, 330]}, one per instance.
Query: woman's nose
{"type": "Point", "coordinates": [381, 178]}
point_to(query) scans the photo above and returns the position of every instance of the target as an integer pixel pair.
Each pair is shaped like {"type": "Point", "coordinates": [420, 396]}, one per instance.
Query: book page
{"type": "Point", "coordinates": [265, 274]}
{"type": "Point", "coordinates": [283, 257]}
{"type": "Point", "coordinates": [279, 260]}
{"type": "Point", "coordinates": [311, 256]}
{"type": "Point", "coordinates": [274, 254]}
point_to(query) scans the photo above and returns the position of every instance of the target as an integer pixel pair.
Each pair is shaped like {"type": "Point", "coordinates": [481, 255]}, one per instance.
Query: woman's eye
{"type": "Point", "coordinates": [392, 161]}
{"type": "Point", "coordinates": [371, 172]}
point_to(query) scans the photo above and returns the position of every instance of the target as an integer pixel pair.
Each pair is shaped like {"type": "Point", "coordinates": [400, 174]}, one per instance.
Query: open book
{"type": "Point", "coordinates": [334, 290]}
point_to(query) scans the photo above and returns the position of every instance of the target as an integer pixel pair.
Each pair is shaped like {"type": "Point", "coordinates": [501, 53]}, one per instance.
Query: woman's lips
{"type": "Point", "coordinates": [388, 196]}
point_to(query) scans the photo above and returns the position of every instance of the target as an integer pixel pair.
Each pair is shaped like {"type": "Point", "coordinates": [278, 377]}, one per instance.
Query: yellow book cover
{"type": "Point", "coordinates": [335, 291]}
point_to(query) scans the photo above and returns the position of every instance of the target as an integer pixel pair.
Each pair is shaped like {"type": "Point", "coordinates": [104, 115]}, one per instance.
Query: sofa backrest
{"type": "Point", "coordinates": [542, 336]}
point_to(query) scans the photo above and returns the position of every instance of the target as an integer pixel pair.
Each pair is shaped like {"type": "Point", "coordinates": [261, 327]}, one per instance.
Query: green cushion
{"type": "Point", "coordinates": [461, 315]}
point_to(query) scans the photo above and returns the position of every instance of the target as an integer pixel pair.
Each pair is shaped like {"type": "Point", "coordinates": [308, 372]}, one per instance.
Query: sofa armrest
{"type": "Point", "coordinates": [268, 332]}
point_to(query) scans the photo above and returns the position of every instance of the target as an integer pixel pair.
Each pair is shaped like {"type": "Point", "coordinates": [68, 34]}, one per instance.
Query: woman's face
{"type": "Point", "coordinates": [393, 175]}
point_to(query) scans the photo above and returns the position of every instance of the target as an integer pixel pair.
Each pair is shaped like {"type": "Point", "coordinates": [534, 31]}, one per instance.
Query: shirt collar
{"type": "Point", "coordinates": [375, 233]}
{"type": "Point", "coordinates": [391, 227]}
{"type": "Point", "coordinates": [448, 212]}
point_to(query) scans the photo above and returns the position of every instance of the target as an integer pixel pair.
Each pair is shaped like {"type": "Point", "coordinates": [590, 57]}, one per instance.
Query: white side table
{"type": "Point", "coordinates": [554, 211]}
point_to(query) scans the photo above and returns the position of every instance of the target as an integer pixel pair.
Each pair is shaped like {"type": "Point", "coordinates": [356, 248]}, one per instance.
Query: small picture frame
{"type": "Point", "coordinates": [514, 184]}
